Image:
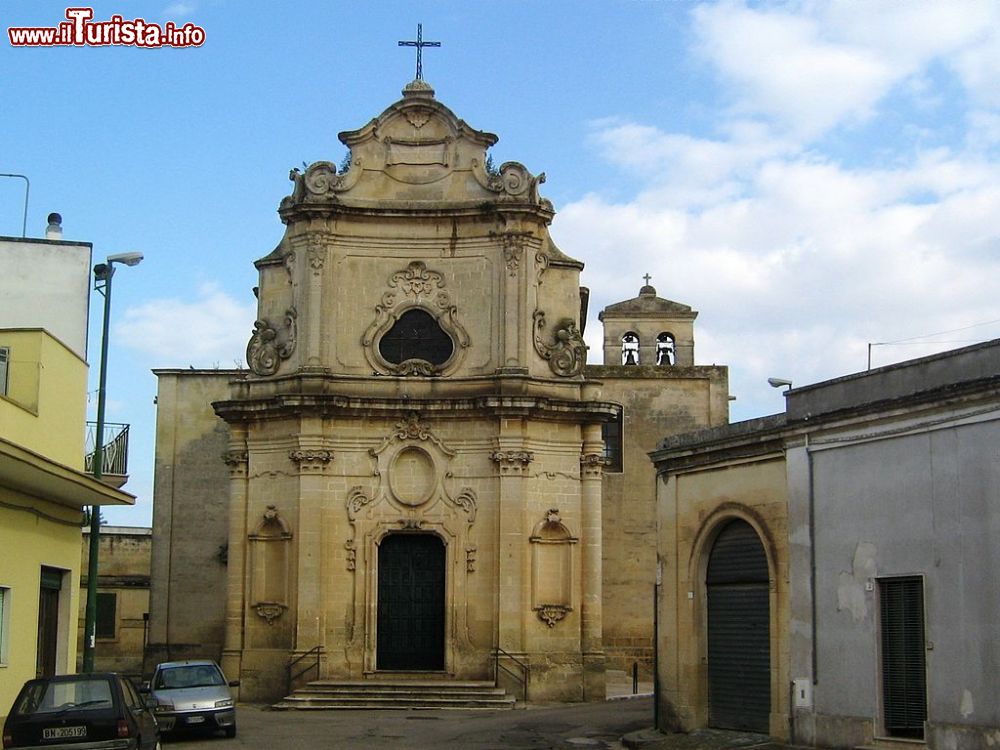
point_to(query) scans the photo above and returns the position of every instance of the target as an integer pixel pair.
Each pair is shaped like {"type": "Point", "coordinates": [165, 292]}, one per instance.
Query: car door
{"type": "Point", "coordinates": [144, 720]}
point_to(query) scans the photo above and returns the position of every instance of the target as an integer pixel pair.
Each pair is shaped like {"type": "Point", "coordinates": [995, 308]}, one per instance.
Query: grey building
{"type": "Point", "coordinates": [892, 482]}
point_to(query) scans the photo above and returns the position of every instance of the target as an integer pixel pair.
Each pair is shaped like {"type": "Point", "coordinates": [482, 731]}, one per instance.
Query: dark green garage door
{"type": "Point", "coordinates": [739, 648]}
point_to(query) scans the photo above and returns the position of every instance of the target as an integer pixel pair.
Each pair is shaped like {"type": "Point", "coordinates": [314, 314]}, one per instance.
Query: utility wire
{"type": "Point", "coordinates": [939, 333]}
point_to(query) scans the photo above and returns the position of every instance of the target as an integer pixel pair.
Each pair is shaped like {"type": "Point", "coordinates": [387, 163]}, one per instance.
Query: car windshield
{"type": "Point", "coordinates": [190, 676]}
{"type": "Point", "coordinates": [52, 697]}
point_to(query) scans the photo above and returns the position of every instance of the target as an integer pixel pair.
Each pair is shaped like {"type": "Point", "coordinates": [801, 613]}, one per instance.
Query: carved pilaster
{"type": "Point", "coordinates": [237, 461]}
{"type": "Point", "coordinates": [592, 465]}
{"type": "Point", "coordinates": [317, 258]}
{"type": "Point", "coordinates": [311, 461]}
{"type": "Point", "coordinates": [512, 462]}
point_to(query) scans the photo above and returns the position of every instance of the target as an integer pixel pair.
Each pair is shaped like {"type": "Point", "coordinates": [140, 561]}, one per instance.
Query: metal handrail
{"type": "Point", "coordinates": [521, 678]}
{"type": "Point", "coordinates": [315, 651]}
{"type": "Point", "coordinates": [114, 449]}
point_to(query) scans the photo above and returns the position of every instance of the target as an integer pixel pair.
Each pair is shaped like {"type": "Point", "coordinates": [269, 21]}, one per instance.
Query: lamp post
{"type": "Point", "coordinates": [103, 272]}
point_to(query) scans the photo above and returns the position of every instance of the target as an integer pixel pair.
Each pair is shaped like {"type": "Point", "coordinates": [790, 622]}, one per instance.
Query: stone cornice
{"type": "Point", "coordinates": [283, 406]}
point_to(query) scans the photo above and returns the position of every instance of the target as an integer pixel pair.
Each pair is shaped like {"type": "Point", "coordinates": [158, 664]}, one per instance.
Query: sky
{"type": "Point", "coordinates": [820, 180]}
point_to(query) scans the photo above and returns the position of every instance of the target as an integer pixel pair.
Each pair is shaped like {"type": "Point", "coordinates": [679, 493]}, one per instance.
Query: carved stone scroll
{"type": "Point", "coordinates": [567, 354]}
{"type": "Point", "coordinates": [270, 345]}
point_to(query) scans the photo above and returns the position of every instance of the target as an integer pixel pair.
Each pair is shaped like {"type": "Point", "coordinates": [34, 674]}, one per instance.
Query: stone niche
{"type": "Point", "coordinates": [552, 569]}
{"type": "Point", "coordinates": [270, 557]}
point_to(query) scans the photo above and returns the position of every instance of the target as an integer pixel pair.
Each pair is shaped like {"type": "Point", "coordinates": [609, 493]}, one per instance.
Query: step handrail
{"type": "Point", "coordinates": [316, 652]}
{"type": "Point", "coordinates": [521, 678]}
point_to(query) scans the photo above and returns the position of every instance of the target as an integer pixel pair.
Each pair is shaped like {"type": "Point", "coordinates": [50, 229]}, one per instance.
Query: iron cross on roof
{"type": "Point", "coordinates": [420, 44]}
{"type": "Point", "coordinates": [647, 277]}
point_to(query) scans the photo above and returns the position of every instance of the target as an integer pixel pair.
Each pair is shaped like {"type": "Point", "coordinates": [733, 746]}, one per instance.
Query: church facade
{"type": "Point", "coordinates": [418, 466]}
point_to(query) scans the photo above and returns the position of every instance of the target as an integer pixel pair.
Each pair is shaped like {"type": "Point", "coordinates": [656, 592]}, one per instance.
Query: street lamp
{"type": "Point", "coordinates": [103, 272]}
{"type": "Point", "coordinates": [779, 383]}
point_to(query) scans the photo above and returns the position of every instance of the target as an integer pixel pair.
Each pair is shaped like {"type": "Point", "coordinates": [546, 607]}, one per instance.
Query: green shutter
{"type": "Point", "coordinates": [904, 686]}
{"type": "Point", "coordinates": [107, 605]}
{"type": "Point", "coordinates": [51, 579]}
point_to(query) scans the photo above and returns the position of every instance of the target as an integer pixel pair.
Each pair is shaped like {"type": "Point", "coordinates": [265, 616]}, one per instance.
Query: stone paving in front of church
{"type": "Point", "coordinates": [556, 727]}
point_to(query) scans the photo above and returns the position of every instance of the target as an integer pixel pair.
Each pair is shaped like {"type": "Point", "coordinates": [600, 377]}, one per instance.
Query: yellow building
{"type": "Point", "coordinates": [122, 597]}
{"type": "Point", "coordinates": [43, 487]}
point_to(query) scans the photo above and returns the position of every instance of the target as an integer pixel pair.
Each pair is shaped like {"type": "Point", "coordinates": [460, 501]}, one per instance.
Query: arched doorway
{"type": "Point", "coordinates": [411, 603]}
{"type": "Point", "coordinates": [739, 634]}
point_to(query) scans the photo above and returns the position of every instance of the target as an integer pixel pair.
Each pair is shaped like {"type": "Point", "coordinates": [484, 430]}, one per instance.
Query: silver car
{"type": "Point", "coordinates": [193, 694]}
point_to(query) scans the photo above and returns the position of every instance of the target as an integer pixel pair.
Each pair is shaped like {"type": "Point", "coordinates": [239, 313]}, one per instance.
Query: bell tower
{"type": "Point", "coordinates": [648, 330]}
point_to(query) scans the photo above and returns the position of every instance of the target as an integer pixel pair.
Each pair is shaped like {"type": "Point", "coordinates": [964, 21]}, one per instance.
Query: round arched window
{"type": "Point", "coordinates": [416, 335]}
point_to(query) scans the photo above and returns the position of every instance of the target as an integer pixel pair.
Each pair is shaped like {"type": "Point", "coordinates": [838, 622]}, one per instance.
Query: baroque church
{"type": "Point", "coordinates": [419, 474]}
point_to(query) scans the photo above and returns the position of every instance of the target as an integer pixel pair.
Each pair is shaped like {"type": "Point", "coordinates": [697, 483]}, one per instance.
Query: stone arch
{"type": "Point", "coordinates": [630, 348]}
{"type": "Point", "coordinates": [666, 349]}
{"type": "Point", "coordinates": [698, 567]}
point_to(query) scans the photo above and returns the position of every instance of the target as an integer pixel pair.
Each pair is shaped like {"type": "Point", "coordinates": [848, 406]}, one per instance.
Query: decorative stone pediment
{"type": "Point", "coordinates": [416, 150]}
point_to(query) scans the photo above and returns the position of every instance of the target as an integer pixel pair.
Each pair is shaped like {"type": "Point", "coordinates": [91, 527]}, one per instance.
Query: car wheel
{"type": "Point", "coordinates": [231, 731]}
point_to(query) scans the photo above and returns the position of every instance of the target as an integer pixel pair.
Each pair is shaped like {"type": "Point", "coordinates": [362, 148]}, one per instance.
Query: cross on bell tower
{"type": "Point", "coordinates": [419, 44]}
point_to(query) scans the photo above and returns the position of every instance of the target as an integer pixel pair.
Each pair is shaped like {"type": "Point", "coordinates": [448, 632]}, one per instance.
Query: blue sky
{"type": "Point", "coordinates": [812, 177]}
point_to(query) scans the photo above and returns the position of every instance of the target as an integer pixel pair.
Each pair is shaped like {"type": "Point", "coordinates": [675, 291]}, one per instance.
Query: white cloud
{"type": "Point", "coordinates": [210, 331]}
{"type": "Point", "coordinates": [811, 66]}
{"type": "Point", "coordinates": [803, 261]}
{"type": "Point", "coordinates": [178, 10]}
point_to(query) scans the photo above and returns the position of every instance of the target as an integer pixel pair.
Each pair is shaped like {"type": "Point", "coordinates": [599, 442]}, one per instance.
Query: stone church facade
{"type": "Point", "coordinates": [420, 473]}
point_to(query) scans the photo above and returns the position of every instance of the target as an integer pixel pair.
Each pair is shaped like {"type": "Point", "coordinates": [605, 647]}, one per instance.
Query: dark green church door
{"type": "Point", "coordinates": [411, 603]}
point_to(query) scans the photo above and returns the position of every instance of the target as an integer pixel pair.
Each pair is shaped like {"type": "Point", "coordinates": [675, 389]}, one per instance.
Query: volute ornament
{"type": "Point", "coordinates": [268, 345]}
{"type": "Point", "coordinates": [567, 354]}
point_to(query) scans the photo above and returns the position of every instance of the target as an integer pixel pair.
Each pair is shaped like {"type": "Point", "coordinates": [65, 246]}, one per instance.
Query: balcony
{"type": "Point", "coordinates": [114, 461]}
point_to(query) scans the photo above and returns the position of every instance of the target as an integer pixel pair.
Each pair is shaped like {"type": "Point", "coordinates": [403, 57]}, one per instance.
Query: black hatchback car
{"type": "Point", "coordinates": [97, 711]}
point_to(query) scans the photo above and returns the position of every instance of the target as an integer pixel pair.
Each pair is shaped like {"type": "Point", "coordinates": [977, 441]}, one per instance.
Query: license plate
{"type": "Point", "coordinates": [195, 719]}
{"type": "Point", "coordinates": [57, 733]}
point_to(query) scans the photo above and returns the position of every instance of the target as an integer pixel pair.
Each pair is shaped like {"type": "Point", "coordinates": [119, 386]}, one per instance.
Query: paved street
{"type": "Point", "coordinates": [563, 726]}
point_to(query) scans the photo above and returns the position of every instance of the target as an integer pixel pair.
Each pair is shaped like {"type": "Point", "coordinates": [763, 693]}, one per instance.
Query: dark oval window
{"type": "Point", "coordinates": [416, 335]}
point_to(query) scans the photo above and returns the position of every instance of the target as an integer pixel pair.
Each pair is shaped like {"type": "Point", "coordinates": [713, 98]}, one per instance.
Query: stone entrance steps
{"type": "Point", "coordinates": [385, 694]}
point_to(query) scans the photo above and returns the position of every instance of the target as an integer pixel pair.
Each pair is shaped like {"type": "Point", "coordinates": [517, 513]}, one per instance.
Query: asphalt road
{"type": "Point", "coordinates": [592, 725]}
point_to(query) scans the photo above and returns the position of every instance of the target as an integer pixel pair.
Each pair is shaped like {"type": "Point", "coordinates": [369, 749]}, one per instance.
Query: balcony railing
{"type": "Point", "coordinates": [114, 461]}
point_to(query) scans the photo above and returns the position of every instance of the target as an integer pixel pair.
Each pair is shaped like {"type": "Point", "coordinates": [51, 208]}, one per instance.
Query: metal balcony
{"type": "Point", "coordinates": [114, 461]}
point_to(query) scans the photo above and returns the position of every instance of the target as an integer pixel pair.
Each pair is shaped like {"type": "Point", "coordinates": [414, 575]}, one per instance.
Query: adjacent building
{"type": "Point", "coordinates": [829, 574]}
{"type": "Point", "coordinates": [44, 301]}
{"type": "Point", "coordinates": [122, 598]}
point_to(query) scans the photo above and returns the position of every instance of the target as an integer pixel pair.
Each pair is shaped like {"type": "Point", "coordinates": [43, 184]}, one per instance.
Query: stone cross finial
{"type": "Point", "coordinates": [419, 44]}
{"type": "Point", "coordinates": [647, 277]}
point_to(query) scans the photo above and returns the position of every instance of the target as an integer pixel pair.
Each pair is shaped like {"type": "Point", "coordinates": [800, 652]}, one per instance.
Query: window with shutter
{"type": "Point", "coordinates": [107, 606]}
{"type": "Point", "coordinates": [904, 686]}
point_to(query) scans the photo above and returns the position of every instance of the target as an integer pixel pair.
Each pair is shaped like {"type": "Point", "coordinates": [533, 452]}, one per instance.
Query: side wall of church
{"type": "Point", "coordinates": [190, 518]}
{"type": "Point", "coordinates": [656, 401]}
